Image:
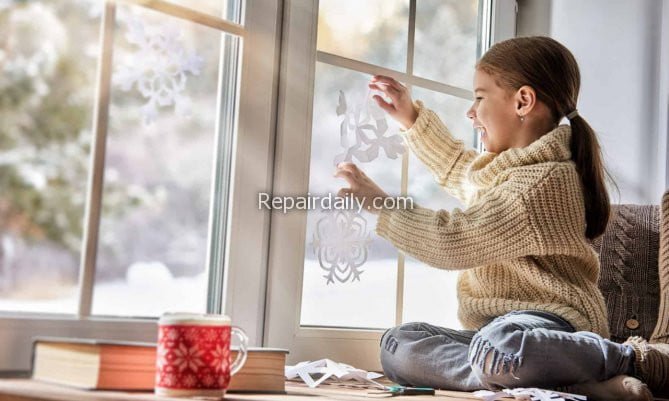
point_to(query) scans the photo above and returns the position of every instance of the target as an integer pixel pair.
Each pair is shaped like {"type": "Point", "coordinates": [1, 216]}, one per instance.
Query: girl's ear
{"type": "Point", "coordinates": [526, 99]}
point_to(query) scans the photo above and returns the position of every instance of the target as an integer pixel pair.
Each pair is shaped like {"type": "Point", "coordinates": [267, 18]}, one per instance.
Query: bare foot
{"type": "Point", "coordinates": [619, 388]}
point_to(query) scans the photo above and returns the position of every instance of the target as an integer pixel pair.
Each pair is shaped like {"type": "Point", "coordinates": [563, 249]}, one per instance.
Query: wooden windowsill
{"type": "Point", "coordinates": [29, 390]}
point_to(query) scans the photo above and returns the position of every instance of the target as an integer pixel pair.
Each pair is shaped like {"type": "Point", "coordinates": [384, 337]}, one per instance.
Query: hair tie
{"type": "Point", "coordinates": [572, 114]}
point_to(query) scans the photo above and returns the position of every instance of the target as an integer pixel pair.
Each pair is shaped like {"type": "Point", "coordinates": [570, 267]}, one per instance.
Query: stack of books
{"type": "Point", "coordinates": [115, 365]}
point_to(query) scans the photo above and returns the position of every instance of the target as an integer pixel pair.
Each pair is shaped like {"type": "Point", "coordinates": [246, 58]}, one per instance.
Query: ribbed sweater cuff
{"type": "Point", "coordinates": [431, 140]}
{"type": "Point", "coordinates": [390, 222]}
{"type": "Point", "coordinates": [383, 222]}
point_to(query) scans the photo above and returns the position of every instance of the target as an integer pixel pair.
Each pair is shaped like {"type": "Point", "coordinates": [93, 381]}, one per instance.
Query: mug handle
{"type": "Point", "coordinates": [242, 353]}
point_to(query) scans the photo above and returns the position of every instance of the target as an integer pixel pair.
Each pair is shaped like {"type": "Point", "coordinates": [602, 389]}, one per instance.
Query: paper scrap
{"type": "Point", "coordinates": [316, 372]}
{"type": "Point", "coordinates": [528, 394]}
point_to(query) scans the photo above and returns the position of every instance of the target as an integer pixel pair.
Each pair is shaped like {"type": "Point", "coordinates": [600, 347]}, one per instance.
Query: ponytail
{"type": "Point", "coordinates": [551, 69]}
{"type": "Point", "coordinates": [587, 155]}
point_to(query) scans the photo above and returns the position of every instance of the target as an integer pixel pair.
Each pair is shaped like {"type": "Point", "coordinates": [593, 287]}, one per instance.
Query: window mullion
{"type": "Point", "coordinates": [189, 14]}
{"type": "Point", "coordinates": [225, 126]}
{"type": "Point", "coordinates": [96, 176]}
{"type": "Point", "coordinates": [408, 79]}
{"type": "Point", "coordinates": [399, 307]}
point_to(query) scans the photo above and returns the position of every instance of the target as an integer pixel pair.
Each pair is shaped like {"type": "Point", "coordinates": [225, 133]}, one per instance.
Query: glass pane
{"type": "Point", "coordinates": [446, 36]}
{"type": "Point", "coordinates": [373, 31]}
{"type": "Point", "coordinates": [226, 9]}
{"type": "Point", "coordinates": [345, 302]}
{"type": "Point", "coordinates": [47, 85]}
{"type": "Point", "coordinates": [163, 117]}
{"type": "Point", "coordinates": [429, 293]}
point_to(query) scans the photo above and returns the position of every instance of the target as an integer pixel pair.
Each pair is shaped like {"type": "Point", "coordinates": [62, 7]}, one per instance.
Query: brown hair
{"type": "Point", "coordinates": [551, 69]}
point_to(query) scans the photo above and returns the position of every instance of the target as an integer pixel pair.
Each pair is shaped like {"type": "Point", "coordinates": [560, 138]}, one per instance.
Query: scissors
{"type": "Point", "coordinates": [392, 391]}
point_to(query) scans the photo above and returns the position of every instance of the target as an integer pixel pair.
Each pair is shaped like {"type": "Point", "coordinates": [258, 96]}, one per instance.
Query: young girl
{"type": "Point", "coordinates": [527, 288]}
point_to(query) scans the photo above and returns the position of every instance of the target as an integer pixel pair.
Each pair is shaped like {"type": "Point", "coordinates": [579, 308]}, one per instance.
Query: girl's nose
{"type": "Point", "coordinates": [471, 113]}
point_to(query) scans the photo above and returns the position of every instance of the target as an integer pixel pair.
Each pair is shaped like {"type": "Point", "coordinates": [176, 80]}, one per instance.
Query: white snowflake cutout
{"type": "Point", "coordinates": [340, 242]}
{"type": "Point", "coordinates": [365, 117]}
{"type": "Point", "coordinates": [159, 68]}
{"type": "Point", "coordinates": [529, 394]}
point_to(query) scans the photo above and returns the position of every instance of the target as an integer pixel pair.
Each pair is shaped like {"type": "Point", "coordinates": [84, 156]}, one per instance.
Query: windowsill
{"type": "Point", "coordinates": [28, 390]}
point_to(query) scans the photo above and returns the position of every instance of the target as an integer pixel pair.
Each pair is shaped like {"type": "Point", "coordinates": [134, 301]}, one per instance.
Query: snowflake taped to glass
{"type": "Point", "coordinates": [533, 394]}
{"type": "Point", "coordinates": [340, 243]}
{"type": "Point", "coordinates": [363, 130]}
{"type": "Point", "coordinates": [158, 68]}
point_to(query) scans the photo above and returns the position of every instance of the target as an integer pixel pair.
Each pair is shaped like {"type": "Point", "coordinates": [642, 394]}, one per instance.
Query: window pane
{"type": "Point", "coordinates": [446, 36]}
{"type": "Point", "coordinates": [160, 148]}
{"type": "Point", "coordinates": [369, 301]}
{"type": "Point", "coordinates": [429, 293]}
{"type": "Point", "coordinates": [373, 31]}
{"type": "Point", "coordinates": [47, 79]}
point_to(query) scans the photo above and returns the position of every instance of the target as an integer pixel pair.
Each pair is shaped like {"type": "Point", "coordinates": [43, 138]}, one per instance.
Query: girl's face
{"type": "Point", "coordinates": [494, 113]}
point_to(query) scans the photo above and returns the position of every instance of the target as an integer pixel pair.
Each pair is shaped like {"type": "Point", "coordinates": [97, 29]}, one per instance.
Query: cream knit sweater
{"type": "Point", "coordinates": [520, 242]}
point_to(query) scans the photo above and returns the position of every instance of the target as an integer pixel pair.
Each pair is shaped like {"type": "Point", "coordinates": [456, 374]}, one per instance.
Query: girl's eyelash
{"type": "Point", "coordinates": [479, 98]}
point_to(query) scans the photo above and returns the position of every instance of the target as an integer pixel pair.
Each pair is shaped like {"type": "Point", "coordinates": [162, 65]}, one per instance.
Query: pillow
{"type": "Point", "coordinates": [661, 332]}
{"type": "Point", "coordinates": [629, 281]}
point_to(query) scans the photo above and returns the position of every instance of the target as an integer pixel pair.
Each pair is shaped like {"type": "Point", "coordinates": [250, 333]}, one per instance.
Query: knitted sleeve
{"type": "Point", "coordinates": [445, 156]}
{"type": "Point", "coordinates": [495, 228]}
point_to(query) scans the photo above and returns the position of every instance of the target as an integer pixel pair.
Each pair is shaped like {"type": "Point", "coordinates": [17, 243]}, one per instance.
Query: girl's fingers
{"type": "Point", "coordinates": [387, 107]}
{"type": "Point", "coordinates": [388, 81]}
{"type": "Point", "coordinates": [392, 93]}
{"type": "Point", "coordinates": [348, 166]}
{"type": "Point", "coordinates": [348, 176]}
{"type": "Point", "coordinates": [344, 192]}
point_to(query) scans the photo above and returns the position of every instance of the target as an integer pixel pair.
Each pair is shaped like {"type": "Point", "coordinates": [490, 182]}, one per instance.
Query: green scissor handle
{"type": "Point", "coordinates": [401, 390]}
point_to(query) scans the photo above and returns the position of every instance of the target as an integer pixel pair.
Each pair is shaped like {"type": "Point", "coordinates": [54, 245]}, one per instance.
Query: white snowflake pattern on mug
{"type": "Point", "coordinates": [163, 360]}
{"type": "Point", "coordinates": [192, 333]}
{"type": "Point", "coordinates": [211, 335]}
{"type": "Point", "coordinates": [189, 380]}
{"type": "Point", "coordinates": [208, 380]}
{"type": "Point", "coordinates": [219, 357]}
{"type": "Point", "coordinates": [188, 357]}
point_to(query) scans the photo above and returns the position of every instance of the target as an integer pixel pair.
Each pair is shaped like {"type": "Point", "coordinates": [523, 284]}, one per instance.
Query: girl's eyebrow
{"type": "Point", "coordinates": [479, 90]}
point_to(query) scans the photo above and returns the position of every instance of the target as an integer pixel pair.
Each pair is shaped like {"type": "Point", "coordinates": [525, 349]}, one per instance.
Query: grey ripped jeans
{"type": "Point", "coordinates": [519, 349]}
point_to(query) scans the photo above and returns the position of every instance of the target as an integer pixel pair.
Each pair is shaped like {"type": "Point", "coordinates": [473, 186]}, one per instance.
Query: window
{"type": "Point", "coordinates": [334, 285]}
{"type": "Point", "coordinates": [145, 237]}
{"type": "Point", "coordinates": [119, 189]}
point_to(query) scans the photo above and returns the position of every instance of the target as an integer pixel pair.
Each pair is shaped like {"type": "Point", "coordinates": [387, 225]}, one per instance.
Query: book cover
{"type": "Point", "coordinates": [94, 364]}
{"type": "Point", "coordinates": [97, 364]}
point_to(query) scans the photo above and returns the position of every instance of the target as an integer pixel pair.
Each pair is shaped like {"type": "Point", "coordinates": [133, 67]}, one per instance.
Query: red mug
{"type": "Point", "coordinates": [193, 355]}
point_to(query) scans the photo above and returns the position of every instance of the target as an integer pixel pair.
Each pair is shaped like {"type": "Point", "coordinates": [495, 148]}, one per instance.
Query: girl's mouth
{"type": "Point", "coordinates": [481, 132]}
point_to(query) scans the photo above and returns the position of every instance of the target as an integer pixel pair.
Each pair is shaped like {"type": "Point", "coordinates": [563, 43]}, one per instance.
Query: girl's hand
{"type": "Point", "coordinates": [362, 187]}
{"type": "Point", "coordinates": [401, 108]}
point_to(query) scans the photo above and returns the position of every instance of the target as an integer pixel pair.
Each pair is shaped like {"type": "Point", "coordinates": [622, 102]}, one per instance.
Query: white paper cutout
{"type": "Point", "coordinates": [328, 369]}
{"type": "Point", "coordinates": [340, 242]}
{"type": "Point", "coordinates": [362, 131]}
{"type": "Point", "coordinates": [533, 394]}
{"type": "Point", "coordinates": [341, 239]}
{"type": "Point", "coordinates": [158, 68]}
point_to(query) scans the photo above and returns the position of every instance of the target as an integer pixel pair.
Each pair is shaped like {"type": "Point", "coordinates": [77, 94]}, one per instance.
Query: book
{"type": "Point", "coordinates": [118, 365]}
{"type": "Point", "coordinates": [94, 364]}
{"type": "Point", "coordinates": [263, 372]}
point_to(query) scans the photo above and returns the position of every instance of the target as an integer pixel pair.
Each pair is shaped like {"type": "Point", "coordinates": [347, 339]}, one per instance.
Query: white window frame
{"type": "Point", "coordinates": [357, 347]}
{"type": "Point", "coordinates": [237, 266]}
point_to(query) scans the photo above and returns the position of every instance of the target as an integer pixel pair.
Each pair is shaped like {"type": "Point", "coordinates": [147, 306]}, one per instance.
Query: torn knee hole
{"type": "Point", "coordinates": [493, 362]}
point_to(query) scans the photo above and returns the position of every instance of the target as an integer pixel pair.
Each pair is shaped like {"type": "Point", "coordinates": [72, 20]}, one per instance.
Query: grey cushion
{"type": "Point", "coordinates": [628, 252]}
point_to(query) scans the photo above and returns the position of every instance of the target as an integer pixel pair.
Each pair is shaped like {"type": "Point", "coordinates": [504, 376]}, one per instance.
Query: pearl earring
{"type": "Point", "coordinates": [522, 118]}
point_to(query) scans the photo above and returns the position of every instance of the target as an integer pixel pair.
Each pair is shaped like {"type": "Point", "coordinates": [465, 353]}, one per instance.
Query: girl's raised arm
{"type": "Point", "coordinates": [427, 136]}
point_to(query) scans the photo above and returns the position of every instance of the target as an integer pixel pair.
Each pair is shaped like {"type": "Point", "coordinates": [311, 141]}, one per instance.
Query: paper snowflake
{"type": "Point", "coordinates": [363, 131]}
{"type": "Point", "coordinates": [158, 68]}
{"type": "Point", "coordinates": [529, 394]}
{"type": "Point", "coordinates": [340, 243]}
